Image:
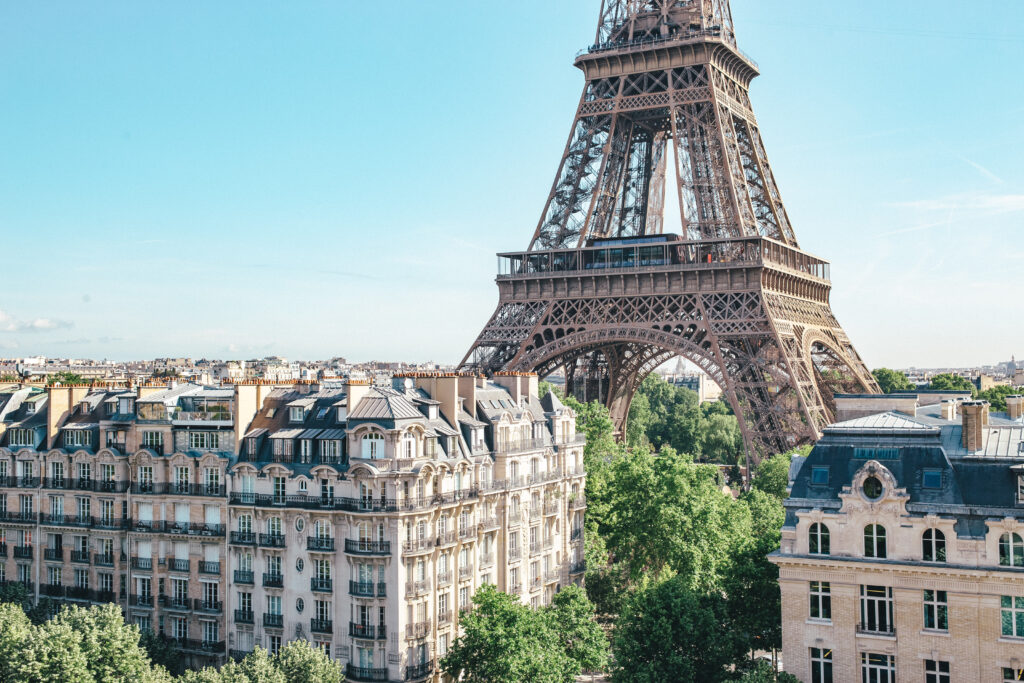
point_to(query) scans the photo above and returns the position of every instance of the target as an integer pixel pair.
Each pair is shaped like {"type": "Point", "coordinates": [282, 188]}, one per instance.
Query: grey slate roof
{"type": "Point", "coordinates": [384, 404]}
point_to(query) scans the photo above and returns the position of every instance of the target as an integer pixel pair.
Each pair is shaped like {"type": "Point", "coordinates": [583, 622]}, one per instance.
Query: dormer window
{"type": "Point", "coordinates": [124, 406]}
{"type": "Point", "coordinates": [819, 476]}
{"type": "Point", "coordinates": [30, 408]}
{"type": "Point", "coordinates": [321, 413]}
{"type": "Point", "coordinates": [271, 412]}
{"type": "Point", "coordinates": [297, 414]}
{"type": "Point", "coordinates": [1020, 488]}
{"type": "Point", "coordinates": [931, 479]}
{"type": "Point", "coordinates": [83, 408]}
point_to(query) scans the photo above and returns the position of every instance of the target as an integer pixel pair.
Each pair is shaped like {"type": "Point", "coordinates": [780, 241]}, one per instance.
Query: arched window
{"type": "Point", "coordinates": [874, 541]}
{"type": "Point", "coordinates": [373, 446]}
{"type": "Point", "coordinates": [933, 546]}
{"type": "Point", "coordinates": [1011, 550]}
{"type": "Point", "coordinates": [818, 540]}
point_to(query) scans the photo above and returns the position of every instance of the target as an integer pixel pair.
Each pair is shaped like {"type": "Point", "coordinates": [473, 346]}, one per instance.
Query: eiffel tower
{"type": "Point", "coordinates": [605, 294]}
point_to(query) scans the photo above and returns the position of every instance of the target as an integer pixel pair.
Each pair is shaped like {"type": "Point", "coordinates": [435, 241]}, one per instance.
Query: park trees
{"type": "Point", "coordinates": [892, 381]}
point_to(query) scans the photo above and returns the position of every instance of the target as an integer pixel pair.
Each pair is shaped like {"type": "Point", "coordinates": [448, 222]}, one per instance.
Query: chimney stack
{"type": "Point", "coordinates": [949, 409]}
{"type": "Point", "coordinates": [1015, 407]}
{"type": "Point", "coordinates": [355, 390]}
{"type": "Point", "coordinates": [975, 425]}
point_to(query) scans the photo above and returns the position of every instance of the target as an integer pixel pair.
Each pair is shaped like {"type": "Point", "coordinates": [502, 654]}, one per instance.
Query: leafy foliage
{"type": "Point", "coordinates": [950, 382]}
{"type": "Point", "coordinates": [892, 381]}
{"type": "Point", "coordinates": [765, 673]}
{"type": "Point", "coordinates": [504, 641]}
{"type": "Point", "coordinates": [65, 377]}
{"type": "Point", "coordinates": [663, 414]}
{"type": "Point", "coordinates": [669, 632]}
{"type": "Point", "coordinates": [996, 396]}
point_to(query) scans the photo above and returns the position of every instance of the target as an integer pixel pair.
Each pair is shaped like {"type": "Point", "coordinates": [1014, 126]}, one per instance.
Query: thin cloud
{"type": "Point", "coordinates": [11, 324]}
{"type": "Point", "coordinates": [983, 171]}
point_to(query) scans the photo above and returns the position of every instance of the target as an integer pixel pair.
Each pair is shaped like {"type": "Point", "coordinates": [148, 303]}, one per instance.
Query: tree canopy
{"type": "Point", "coordinates": [892, 381]}
{"type": "Point", "coordinates": [950, 382]}
{"type": "Point", "coordinates": [505, 641]}
{"type": "Point", "coordinates": [65, 377]}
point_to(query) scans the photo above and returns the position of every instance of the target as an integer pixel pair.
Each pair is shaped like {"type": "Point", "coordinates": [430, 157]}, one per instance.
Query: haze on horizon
{"type": "Point", "coordinates": [209, 180]}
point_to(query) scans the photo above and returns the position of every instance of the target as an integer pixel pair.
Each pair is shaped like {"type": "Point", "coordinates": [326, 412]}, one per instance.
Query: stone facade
{"type": "Point", "coordinates": [360, 518]}
{"type": "Point", "coordinates": [901, 556]}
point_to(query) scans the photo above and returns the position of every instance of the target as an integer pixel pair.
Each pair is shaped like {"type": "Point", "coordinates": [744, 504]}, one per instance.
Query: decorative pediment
{"type": "Point", "coordinates": [874, 489]}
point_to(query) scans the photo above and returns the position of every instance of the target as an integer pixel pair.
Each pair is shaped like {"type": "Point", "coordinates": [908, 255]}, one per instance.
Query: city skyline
{"type": "Point", "coordinates": [157, 161]}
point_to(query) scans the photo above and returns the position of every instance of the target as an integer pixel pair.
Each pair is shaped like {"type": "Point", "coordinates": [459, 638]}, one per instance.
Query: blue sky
{"type": "Point", "coordinates": [236, 179]}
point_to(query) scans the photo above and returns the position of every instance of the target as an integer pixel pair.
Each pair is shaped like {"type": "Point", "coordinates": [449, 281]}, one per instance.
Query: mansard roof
{"type": "Point", "coordinates": [385, 404]}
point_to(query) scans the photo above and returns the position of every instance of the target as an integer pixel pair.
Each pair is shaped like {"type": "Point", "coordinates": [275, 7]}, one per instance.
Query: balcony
{"type": "Point", "coordinates": [239, 655]}
{"type": "Point", "coordinates": [26, 517]}
{"type": "Point", "coordinates": [881, 630]}
{"type": "Point", "coordinates": [23, 552]}
{"type": "Point", "coordinates": [490, 524]}
{"type": "Point", "coordinates": [367, 631]}
{"type": "Point", "coordinates": [273, 580]}
{"type": "Point", "coordinates": [271, 540]}
{"type": "Point", "coordinates": [417, 587]}
{"type": "Point", "coordinates": [53, 554]}
{"type": "Point", "coordinates": [419, 671]}
{"type": "Point", "coordinates": [465, 572]}
{"type": "Point", "coordinates": [176, 565]}
{"type": "Point", "coordinates": [357, 547]}
{"type": "Point", "coordinates": [53, 590]}
{"type": "Point", "coordinates": [444, 617]}
{"type": "Point", "coordinates": [321, 585]}
{"type": "Point", "coordinates": [59, 483]}
{"type": "Point", "coordinates": [514, 554]}
{"type": "Point", "coordinates": [145, 563]}
{"type": "Point", "coordinates": [243, 616]}
{"type": "Point", "coordinates": [209, 567]}
{"type": "Point", "coordinates": [577, 503]}
{"type": "Point", "coordinates": [205, 647]}
{"type": "Point", "coordinates": [367, 589]}
{"type": "Point", "coordinates": [320, 544]}
{"type": "Point", "coordinates": [321, 626]}
{"type": "Point", "coordinates": [468, 533]}
{"type": "Point", "coordinates": [486, 559]}
{"type": "Point", "coordinates": [577, 534]}
{"type": "Point", "coordinates": [418, 630]}
{"type": "Point", "coordinates": [104, 560]}
{"type": "Point", "coordinates": [79, 593]}
{"type": "Point", "coordinates": [522, 446]}
{"type": "Point", "coordinates": [578, 567]}
{"type": "Point", "coordinates": [81, 556]}
{"type": "Point", "coordinates": [27, 482]}
{"type": "Point", "coordinates": [363, 673]}
{"type": "Point", "coordinates": [273, 620]}
{"type": "Point", "coordinates": [422, 545]}
{"type": "Point", "coordinates": [551, 507]}
{"type": "Point", "coordinates": [111, 523]}
{"type": "Point", "coordinates": [552, 577]}
{"type": "Point", "coordinates": [141, 600]}
{"type": "Point", "coordinates": [243, 538]}
{"type": "Point", "coordinates": [244, 577]}
{"type": "Point", "coordinates": [177, 602]}
{"type": "Point", "coordinates": [447, 538]}
{"type": "Point", "coordinates": [212, 606]}
{"type": "Point", "coordinates": [516, 589]}
{"type": "Point", "coordinates": [444, 578]}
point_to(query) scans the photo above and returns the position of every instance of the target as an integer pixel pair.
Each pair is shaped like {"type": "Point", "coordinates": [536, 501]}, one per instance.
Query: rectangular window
{"type": "Point", "coordinates": [821, 600]}
{"type": "Point", "coordinates": [274, 644]}
{"type": "Point", "coordinates": [821, 665]}
{"type": "Point", "coordinates": [1010, 675]}
{"type": "Point", "coordinates": [1012, 609]}
{"type": "Point", "coordinates": [876, 453]}
{"type": "Point", "coordinates": [936, 672]}
{"type": "Point", "coordinates": [154, 440]}
{"type": "Point", "coordinates": [296, 414]}
{"type": "Point", "coordinates": [819, 475]}
{"type": "Point", "coordinates": [204, 440]}
{"type": "Point", "coordinates": [936, 611]}
{"type": "Point", "coordinates": [932, 479]}
{"type": "Point", "coordinates": [211, 632]}
{"type": "Point", "coordinates": [274, 604]}
{"type": "Point", "coordinates": [877, 668]}
{"type": "Point", "coordinates": [876, 609]}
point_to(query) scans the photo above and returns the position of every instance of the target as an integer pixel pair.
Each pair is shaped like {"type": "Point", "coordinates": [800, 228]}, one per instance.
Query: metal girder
{"type": "Point", "coordinates": [666, 81]}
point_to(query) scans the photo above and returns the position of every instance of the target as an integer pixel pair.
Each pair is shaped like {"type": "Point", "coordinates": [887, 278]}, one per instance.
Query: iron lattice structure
{"type": "Point", "coordinates": [604, 295]}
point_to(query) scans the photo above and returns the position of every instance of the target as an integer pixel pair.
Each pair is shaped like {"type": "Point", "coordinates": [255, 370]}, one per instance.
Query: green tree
{"type": "Point", "coordinates": [950, 382]}
{"type": "Point", "coordinates": [772, 476]}
{"type": "Point", "coordinates": [160, 651]}
{"type": "Point", "coordinates": [15, 632]}
{"type": "Point", "coordinates": [669, 632]}
{"type": "Point", "coordinates": [301, 662]}
{"type": "Point", "coordinates": [720, 439]}
{"type": "Point", "coordinates": [52, 652]}
{"type": "Point", "coordinates": [544, 387]}
{"type": "Point", "coordinates": [111, 646]}
{"type": "Point", "coordinates": [65, 377]}
{"type": "Point", "coordinates": [764, 672]}
{"type": "Point", "coordinates": [996, 396]}
{"type": "Point", "coordinates": [504, 641]}
{"type": "Point", "coordinates": [751, 581]}
{"type": "Point", "coordinates": [574, 623]}
{"type": "Point", "coordinates": [892, 381]}
{"type": "Point", "coordinates": [667, 513]}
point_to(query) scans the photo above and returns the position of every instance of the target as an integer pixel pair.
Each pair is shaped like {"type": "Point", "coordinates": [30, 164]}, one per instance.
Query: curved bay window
{"type": "Point", "coordinates": [874, 541]}
{"type": "Point", "coordinates": [818, 541]}
{"type": "Point", "coordinates": [373, 446]}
